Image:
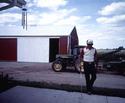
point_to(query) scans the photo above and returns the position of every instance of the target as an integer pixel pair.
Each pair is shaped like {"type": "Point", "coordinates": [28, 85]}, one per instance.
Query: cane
{"type": "Point", "coordinates": [81, 71]}
{"type": "Point", "coordinates": [81, 77]}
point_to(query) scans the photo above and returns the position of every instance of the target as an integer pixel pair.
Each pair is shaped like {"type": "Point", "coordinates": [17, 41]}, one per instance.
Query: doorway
{"type": "Point", "coordinates": [8, 49]}
{"type": "Point", "coordinates": [53, 48]}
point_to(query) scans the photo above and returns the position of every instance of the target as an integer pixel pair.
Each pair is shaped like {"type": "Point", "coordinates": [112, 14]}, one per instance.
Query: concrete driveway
{"type": "Point", "coordinates": [22, 94]}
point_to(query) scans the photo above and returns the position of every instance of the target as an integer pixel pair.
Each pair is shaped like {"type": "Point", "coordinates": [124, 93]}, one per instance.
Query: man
{"type": "Point", "coordinates": [89, 56]}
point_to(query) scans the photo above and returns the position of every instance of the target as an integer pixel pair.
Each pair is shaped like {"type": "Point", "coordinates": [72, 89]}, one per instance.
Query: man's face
{"type": "Point", "coordinates": [89, 45]}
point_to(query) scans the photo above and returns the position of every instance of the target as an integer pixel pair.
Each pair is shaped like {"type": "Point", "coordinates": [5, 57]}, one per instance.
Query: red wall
{"type": "Point", "coordinates": [8, 49]}
{"type": "Point", "coordinates": [63, 43]}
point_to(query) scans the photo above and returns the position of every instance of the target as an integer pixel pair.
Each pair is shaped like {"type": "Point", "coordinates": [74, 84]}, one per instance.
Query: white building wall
{"type": "Point", "coordinates": [33, 49]}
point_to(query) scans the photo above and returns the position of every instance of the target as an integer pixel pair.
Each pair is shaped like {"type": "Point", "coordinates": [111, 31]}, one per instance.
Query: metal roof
{"type": "Point", "coordinates": [57, 36]}
{"type": "Point", "coordinates": [6, 4]}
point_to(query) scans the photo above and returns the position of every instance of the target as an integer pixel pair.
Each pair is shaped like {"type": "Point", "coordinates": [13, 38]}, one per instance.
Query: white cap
{"type": "Point", "coordinates": [89, 41]}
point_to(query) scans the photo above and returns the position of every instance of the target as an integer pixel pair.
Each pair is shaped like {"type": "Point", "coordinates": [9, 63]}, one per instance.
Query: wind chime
{"type": "Point", "coordinates": [24, 18]}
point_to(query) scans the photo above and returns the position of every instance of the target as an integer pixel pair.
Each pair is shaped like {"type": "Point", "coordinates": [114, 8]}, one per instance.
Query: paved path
{"type": "Point", "coordinates": [20, 94]}
{"type": "Point", "coordinates": [43, 75]}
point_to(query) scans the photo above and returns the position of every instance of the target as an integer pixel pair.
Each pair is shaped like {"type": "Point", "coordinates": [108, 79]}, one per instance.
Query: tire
{"type": "Point", "coordinates": [79, 66]}
{"type": "Point", "coordinates": [57, 66]}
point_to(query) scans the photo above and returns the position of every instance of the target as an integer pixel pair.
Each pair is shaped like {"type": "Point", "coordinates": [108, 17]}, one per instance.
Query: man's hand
{"type": "Point", "coordinates": [82, 66]}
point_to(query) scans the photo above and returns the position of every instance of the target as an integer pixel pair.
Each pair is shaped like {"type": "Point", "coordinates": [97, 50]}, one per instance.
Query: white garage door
{"type": "Point", "coordinates": [33, 49]}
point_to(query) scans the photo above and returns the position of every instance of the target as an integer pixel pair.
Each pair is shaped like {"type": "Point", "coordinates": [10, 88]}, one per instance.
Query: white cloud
{"type": "Point", "coordinates": [113, 14]}
{"type": "Point", "coordinates": [68, 21]}
{"type": "Point", "coordinates": [9, 17]}
{"type": "Point", "coordinates": [73, 20]}
{"type": "Point", "coordinates": [111, 20]}
{"type": "Point", "coordinates": [102, 38]}
{"type": "Point", "coordinates": [49, 17]}
{"type": "Point", "coordinates": [57, 17]}
{"type": "Point", "coordinates": [51, 4]}
{"type": "Point", "coordinates": [113, 8]}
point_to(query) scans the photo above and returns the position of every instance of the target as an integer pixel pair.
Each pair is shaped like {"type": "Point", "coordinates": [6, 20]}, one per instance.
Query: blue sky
{"type": "Point", "coordinates": [100, 20]}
